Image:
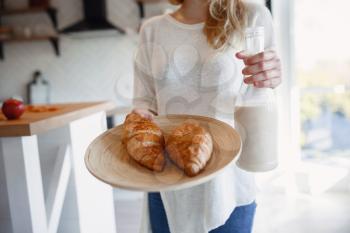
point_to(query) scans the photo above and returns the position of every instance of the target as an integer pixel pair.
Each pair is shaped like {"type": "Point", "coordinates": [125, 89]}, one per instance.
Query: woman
{"type": "Point", "coordinates": [188, 62]}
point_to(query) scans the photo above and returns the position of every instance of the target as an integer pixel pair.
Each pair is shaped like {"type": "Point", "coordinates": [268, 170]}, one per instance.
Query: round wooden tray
{"type": "Point", "coordinates": [106, 158]}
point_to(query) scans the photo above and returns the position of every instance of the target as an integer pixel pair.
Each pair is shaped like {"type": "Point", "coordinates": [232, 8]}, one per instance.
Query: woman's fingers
{"type": "Point", "coordinates": [260, 57]}
{"type": "Point", "coordinates": [144, 113]}
{"type": "Point", "coordinates": [241, 55]}
{"type": "Point", "coordinates": [263, 69]}
{"type": "Point", "coordinates": [261, 66]}
{"type": "Point", "coordinates": [264, 75]}
{"type": "Point", "coordinates": [270, 83]}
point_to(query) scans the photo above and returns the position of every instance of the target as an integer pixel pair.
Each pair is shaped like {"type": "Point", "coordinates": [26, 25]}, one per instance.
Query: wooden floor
{"type": "Point", "coordinates": [276, 213]}
{"type": "Point", "coordinates": [327, 213]}
{"type": "Point", "coordinates": [128, 214]}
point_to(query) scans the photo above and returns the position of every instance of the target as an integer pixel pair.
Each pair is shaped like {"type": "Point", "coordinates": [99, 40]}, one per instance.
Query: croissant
{"type": "Point", "coordinates": [190, 147]}
{"type": "Point", "coordinates": [144, 141]}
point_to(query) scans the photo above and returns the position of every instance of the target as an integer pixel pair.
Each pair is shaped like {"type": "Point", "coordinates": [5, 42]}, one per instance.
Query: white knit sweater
{"type": "Point", "coordinates": [177, 72]}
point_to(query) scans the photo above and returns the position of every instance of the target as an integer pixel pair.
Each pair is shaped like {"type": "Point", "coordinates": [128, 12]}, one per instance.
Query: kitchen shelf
{"type": "Point", "coordinates": [50, 11]}
{"type": "Point", "coordinates": [53, 39]}
{"type": "Point", "coordinates": [25, 10]}
{"type": "Point", "coordinates": [31, 38]}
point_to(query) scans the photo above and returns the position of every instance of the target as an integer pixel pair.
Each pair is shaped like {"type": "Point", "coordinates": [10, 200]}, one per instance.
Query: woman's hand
{"type": "Point", "coordinates": [144, 113]}
{"type": "Point", "coordinates": [263, 69]}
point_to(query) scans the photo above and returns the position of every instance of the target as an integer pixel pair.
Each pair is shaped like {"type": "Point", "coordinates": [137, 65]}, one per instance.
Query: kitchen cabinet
{"type": "Point", "coordinates": [30, 211]}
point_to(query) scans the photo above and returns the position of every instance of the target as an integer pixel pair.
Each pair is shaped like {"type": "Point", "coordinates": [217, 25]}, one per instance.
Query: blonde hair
{"type": "Point", "coordinates": [226, 20]}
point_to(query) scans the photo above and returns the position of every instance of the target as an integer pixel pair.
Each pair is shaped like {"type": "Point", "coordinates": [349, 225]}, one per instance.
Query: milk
{"type": "Point", "coordinates": [257, 126]}
{"type": "Point", "coordinates": [256, 115]}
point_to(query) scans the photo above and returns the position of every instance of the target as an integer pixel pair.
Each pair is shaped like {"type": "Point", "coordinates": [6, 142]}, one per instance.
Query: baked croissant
{"type": "Point", "coordinates": [144, 141]}
{"type": "Point", "coordinates": [190, 147]}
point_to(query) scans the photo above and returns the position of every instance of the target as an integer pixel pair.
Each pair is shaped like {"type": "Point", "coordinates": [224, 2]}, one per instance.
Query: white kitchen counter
{"type": "Point", "coordinates": [33, 209]}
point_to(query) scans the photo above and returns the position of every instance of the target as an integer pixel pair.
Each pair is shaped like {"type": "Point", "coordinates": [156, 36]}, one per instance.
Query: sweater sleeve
{"type": "Point", "coordinates": [144, 95]}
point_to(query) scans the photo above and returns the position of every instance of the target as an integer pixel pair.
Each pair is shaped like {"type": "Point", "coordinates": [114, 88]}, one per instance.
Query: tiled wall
{"type": "Point", "coordinates": [91, 67]}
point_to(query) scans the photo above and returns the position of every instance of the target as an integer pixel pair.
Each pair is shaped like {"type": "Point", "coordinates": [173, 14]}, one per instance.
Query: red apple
{"type": "Point", "coordinates": [13, 109]}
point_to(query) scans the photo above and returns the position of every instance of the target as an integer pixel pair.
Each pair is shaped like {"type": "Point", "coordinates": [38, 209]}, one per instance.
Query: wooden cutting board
{"type": "Point", "coordinates": [106, 158]}
{"type": "Point", "coordinates": [56, 115]}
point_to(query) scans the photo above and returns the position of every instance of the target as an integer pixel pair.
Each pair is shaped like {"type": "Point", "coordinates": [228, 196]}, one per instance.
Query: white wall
{"type": "Point", "coordinates": [89, 67]}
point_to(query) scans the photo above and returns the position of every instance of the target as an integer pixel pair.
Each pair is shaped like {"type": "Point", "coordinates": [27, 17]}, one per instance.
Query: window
{"type": "Point", "coordinates": [322, 65]}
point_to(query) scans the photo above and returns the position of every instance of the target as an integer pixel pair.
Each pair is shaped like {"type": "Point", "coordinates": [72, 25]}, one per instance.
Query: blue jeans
{"type": "Point", "coordinates": [240, 221]}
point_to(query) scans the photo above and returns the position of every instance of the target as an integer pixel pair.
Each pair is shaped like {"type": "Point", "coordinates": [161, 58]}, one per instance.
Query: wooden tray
{"type": "Point", "coordinates": [107, 159]}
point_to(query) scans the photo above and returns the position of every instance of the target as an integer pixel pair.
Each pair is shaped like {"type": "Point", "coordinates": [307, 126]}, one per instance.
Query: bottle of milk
{"type": "Point", "coordinates": [256, 116]}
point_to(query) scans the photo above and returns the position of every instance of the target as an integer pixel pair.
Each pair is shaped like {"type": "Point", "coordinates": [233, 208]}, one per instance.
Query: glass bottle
{"type": "Point", "coordinates": [256, 116]}
{"type": "Point", "coordinates": [38, 89]}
